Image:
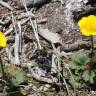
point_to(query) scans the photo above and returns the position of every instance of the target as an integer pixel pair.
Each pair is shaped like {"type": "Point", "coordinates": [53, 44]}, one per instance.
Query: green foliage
{"type": "Point", "coordinates": [14, 75]}
{"type": "Point", "coordinates": [81, 69]}
{"type": "Point", "coordinates": [17, 75]}
{"type": "Point", "coordinates": [89, 76]}
{"type": "Point", "coordinates": [74, 81]}
{"type": "Point", "coordinates": [80, 58]}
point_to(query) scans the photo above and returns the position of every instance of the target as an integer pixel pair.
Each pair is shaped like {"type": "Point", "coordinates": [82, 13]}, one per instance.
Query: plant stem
{"type": "Point", "coordinates": [2, 67]}
{"type": "Point", "coordinates": [92, 52]}
{"type": "Point", "coordinates": [92, 46]}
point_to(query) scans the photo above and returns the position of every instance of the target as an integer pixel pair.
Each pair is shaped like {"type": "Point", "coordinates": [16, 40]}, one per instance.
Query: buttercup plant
{"type": "Point", "coordinates": [87, 26]}
{"type": "Point", "coordinates": [83, 65]}
{"type": "Point", "coordinates": [11, 75]}
{"type": "Point", "coordinates": [3, 42]}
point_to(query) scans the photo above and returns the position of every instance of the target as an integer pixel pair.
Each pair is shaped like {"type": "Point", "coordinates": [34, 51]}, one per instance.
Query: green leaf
{"type": "Point", "coordinates": [73, 65]}
{"type": "Point", "coordinates": [80, 58]}
{"type": "Point", "coordinates": [78, 72]}
{"type": "Point", "coordinates": [74, 81]}
{"type": "Point", "coordinates": [89, 76]}
{"type": "Point", "coordinates": [17, 75]}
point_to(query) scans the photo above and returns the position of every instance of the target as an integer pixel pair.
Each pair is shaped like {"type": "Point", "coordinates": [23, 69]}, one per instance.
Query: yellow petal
{"type": "Point", "coordinates": [3, 40]}
{"type": "Point", "coordinates": [94, 33]}
{"type": "Point", "coordinates": [87, 25]}
{"type": "Point", "coordinates": [86, 33]}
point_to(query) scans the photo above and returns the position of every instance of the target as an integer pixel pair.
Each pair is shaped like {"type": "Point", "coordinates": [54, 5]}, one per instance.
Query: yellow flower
{"type": "Point", "coordinates": [87, 25]}
{"type": "Point", "coordinates": [3, 40]}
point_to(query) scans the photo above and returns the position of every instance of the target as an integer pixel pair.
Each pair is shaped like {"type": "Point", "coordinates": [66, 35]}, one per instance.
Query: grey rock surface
{"type": "Point", "coordinates": [31, 3]}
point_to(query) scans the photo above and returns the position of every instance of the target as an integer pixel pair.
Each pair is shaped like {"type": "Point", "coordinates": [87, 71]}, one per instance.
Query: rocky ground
{"type": "Point", "coordinates": [35, 30]}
